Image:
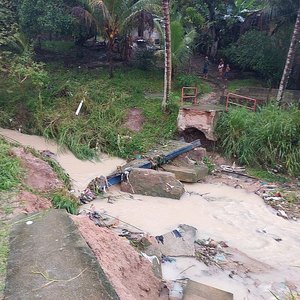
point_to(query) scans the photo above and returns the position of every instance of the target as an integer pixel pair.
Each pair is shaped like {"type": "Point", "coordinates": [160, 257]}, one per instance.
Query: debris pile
{"type": "Point", "coordinates": [210, 252]}
{"type": "Point", "coordinates": [94, 188]}
{"type": "Point", "coordinates": [283, 199]}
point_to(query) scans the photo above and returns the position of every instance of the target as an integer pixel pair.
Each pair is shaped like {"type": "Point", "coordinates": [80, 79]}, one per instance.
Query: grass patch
{"type": "Point", "coordinates": [64, 201]}
{"type": "Point", "coordinates": [63, 47]}
{"type": "Point", "coordinates": [4, 246]}
{"type": "Point", "coordinates": [10, 168]}
{"type": "Point", "coordinates": [267, 176]}
{"type": "Point", "coordinates": [235, 84]}
{"type": "Point", "coordinates": [99, 126]}
{"type": "Point", "coordinates": [192, 81]}
{"type": "Point", "coordinates": [268, 138]}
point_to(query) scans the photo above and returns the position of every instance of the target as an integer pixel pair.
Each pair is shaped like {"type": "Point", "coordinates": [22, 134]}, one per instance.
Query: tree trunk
{"type": "Point", "coordinates": [168, 55]}
{"type": "Point", "coordinates": [110, 58]}
{"type": "Point", "coordinates": [289, 60]}
{"type": "Point", "coordinates": [212, 51]}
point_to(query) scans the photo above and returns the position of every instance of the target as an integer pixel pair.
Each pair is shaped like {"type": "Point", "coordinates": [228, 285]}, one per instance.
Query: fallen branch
{"type": "Point", "coordinates": [52, 280]}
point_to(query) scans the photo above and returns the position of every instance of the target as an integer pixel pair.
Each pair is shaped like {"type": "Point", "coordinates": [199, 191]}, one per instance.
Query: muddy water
{"type": "Point", "coordinates": [81, 172]}
{"type": "Point", "coordinates": [222, 213]}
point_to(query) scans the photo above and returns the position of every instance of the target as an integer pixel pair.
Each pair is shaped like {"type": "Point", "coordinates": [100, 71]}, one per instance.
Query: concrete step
{"type": "Point", "coordinates": [49, 259]}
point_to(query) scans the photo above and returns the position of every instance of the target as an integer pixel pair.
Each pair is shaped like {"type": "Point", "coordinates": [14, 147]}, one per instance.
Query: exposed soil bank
{"type": "Point", "coordinates": [130, 273]}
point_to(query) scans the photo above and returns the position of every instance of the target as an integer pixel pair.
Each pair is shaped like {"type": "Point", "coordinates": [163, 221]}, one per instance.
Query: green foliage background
{"type": "Point", "coordinates": [269, 138]}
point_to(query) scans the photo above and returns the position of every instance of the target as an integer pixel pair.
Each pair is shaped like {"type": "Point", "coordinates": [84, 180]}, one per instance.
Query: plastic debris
{"type": "Point", "coordinates": [165, 259]}
{"type": "Point", "coordinates": [87, 196]}
{"type": "Point", "coordinates": [282, 213]}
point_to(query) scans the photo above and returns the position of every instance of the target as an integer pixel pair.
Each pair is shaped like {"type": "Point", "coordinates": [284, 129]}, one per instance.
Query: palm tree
{"type": "Point", "coordinates": [290, 59]}
{"type": "Point", "coordinates": [168, 54]}
{"type": "Point", "coordinates": [116, 17]}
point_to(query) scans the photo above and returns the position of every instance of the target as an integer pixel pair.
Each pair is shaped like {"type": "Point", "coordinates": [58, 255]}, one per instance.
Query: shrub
{"type": "Point", "coordinates": [268, 138]}
{"type": "Point", "coordinates": [10, 169]}
{"type": "Point", "coordinates": [145, 59]}
{"type": "Point", "coordinates": [65, 202]}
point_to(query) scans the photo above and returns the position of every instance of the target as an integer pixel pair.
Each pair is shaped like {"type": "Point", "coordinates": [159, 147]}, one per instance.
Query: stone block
{"type": "Point", "coordinates": [198, 291]}
{"type": "Point", "coordinates": [153, 183]}
{"type": "Point", "coordinates": [197, 154]}
{"type": "Point", "coordinates": [188, 174]}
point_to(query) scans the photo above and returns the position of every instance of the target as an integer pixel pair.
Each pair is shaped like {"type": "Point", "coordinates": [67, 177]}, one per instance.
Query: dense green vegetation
{"type": "Point", "coordinates": [268, 138]}
{"type": "Point", "coordinates": [99, 125]}
{"type": "Point", "coordinates": [10, 168]}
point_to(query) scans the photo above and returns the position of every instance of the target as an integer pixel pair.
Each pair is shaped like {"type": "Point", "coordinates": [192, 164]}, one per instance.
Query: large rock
{"type": "Point", "coordinates": [191, 174]}
{"type": "Point", "coordinates": [153, 183]}
{"type": "Point", "coordinates": [194, 117]}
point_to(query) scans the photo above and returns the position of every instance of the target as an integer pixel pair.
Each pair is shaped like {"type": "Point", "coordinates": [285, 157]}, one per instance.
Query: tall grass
{"type": "Point", "coordinates": [268, 138]}
{"type": "Point", "coordinates": [99, 126]}
{"type": "Point", "coordinates": [10, 168]}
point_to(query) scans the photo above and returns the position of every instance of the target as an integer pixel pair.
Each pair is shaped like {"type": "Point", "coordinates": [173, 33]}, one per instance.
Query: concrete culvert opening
{"type": "Point", "coordinates": [192, 134]}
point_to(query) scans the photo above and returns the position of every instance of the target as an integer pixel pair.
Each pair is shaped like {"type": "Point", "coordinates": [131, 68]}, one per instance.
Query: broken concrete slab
{"type": "Point", "coordinates": [201, 119]}
{"type": "Point", "coordinates": [198, 291]}
{"type": "Point", "coordinates": [190, 174]}
{"type": "Point", "coordinates": [49, 259]}
{"type": "Point", "coordinates": [153, 183]}
{"type": "Point", "coordinates": [179, 242]}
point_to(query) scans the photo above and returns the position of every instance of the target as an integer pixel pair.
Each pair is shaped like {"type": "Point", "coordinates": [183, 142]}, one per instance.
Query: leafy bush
{"type": "Point", "coordinates": [64, 202]}
{"type": "Point", "coordinates": [145, 59]}
{"type": "Point", "coordinates": [10, 169]}
{"type": "Point", "coordinates": [268, 138]}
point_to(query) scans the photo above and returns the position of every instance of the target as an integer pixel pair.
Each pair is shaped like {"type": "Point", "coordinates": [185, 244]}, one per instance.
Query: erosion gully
{"type": "Point", "coordinates": [222, 213]}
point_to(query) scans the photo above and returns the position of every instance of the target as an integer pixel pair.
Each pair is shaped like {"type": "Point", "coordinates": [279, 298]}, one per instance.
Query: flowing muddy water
{"type": "Point", "coordinates": [81, 172]}
{"type": "Point", "coordinates": [227, 214]}
{"type": "Point", "coordinates": [239, 218]}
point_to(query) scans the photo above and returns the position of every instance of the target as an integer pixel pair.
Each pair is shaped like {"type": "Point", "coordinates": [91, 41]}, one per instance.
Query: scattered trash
{"type": "Point", "coordinates": [87, 196]}
{"type": "Point", "coordinates": [160, 239]}
{"type": "Point", "coordinates": [176, 233]}
{"type": "Point", "coordinates": [232, 168]}
{"type": "Point", "coordinates": [48, 153]}
{"type": "Point", "coordinates": [165, 259]}
{"type": "Point", "coordinates": [150, 258]}
{"type": "Point", "coordinates": [79, 108]}
{"type": "Point", "coordinates": [261, 230]}
{"type": "Point", "coordinates": [282, 213]}
{"type": "Point", "coordinates": [220, 257]}
{"type": "Point", "coordinates": [29, 222]}
{"type": "Point", "coordinates": [209, 251]}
